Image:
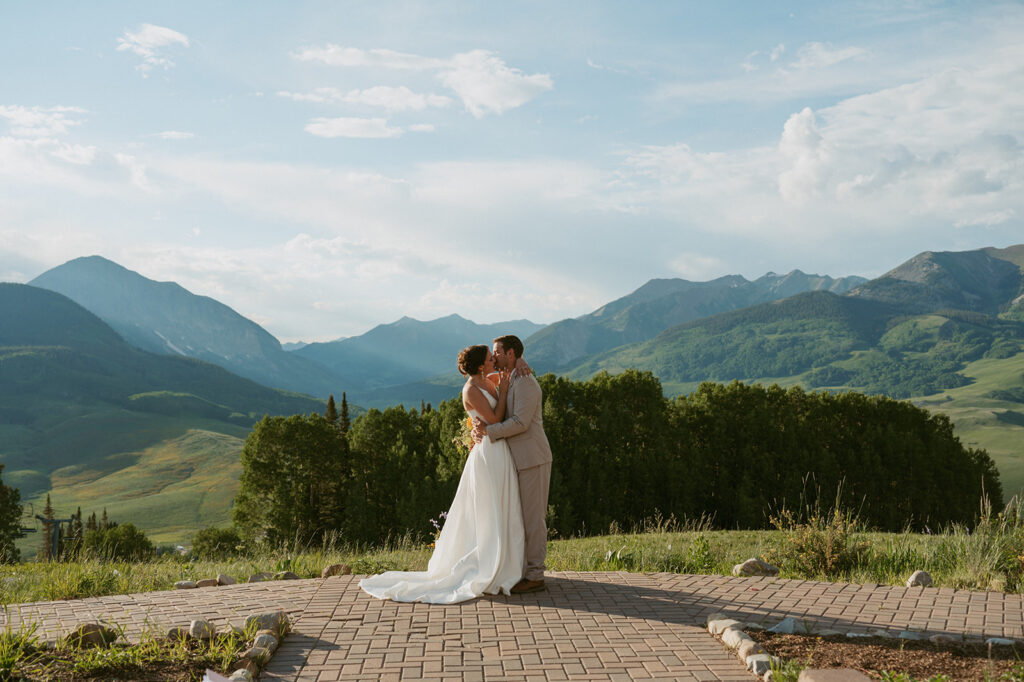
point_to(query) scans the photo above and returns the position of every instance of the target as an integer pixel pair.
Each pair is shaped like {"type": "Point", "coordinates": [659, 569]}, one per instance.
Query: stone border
{"type": "Point", "coordinates": [732, 634]}
{"type": "Point", "coordinates": [270, 628]}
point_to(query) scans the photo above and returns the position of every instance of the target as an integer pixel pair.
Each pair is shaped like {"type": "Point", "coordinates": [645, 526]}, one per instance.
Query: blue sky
{"type": "Point", "coordinates": [323, 167]}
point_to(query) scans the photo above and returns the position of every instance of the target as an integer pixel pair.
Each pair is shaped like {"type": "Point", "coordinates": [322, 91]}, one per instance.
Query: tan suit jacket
{"type": "Point", "coordinates": [524, 428]}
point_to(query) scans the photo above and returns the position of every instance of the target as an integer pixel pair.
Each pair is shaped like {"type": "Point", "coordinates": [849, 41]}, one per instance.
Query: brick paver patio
{"type": "Point", "coordinates": [586, 626]}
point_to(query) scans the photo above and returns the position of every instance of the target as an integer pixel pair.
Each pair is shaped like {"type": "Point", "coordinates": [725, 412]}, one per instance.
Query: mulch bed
{"type": "Point", "coordinates": [872, 655]}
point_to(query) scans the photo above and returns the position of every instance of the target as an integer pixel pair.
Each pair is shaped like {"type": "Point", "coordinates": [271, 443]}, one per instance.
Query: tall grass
{"type": "Point", "coordinates": [818, 546]}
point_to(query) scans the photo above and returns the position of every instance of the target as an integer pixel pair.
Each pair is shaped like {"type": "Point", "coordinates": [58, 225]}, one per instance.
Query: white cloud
{"type": "Point", "coordinates": [136, 171]}
{"type": "Point", "coordinates": [335, 55]}
{"type": "Point", "coordinates": [77, 154]}
{"type": "Point", "coordinates": [777, 52]}
{"type": "Point", "coordinates": [40, 121]}
{"type": "Point", "coordinates": [987, 219]}
{"type": "Point", "coordinates": [802, 146]}
{"type": "Point", "coordinates": [147, 42]}
{"type": "Point", "coordinates": [421, 128]}
{"type": "Point", "coordinates": [391, 98]}
{"type": "Point", "coordinates": [487, 85]}
{"type": "Point", "coordinates": [347, 126]}
{"type": "Point", "coordinates": [820, 56]}
{"type": "Point", "coordinates": [698, 267]}
{"type": "Point", "coordinates": [175, 135]}
{"type": "Point", "coordinates": [481, 79]}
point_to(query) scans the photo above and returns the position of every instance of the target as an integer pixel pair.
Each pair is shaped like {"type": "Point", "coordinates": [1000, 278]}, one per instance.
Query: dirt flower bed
{"type": "Point", "coordinates": [922, 660]}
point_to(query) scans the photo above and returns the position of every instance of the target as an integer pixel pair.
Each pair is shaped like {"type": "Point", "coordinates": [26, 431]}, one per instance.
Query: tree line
{"type": "Point", "coordinates": [622, 454]}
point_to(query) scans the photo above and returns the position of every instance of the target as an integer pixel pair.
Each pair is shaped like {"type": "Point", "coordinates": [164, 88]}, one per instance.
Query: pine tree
{"type": "Point", "coordinates": [10, 521]}
{"type": "Point", "coordinates": [45, 550]}
{"type": "Point", "coordinates": [344, 423]}
{"type": "Point", "coordinates": [91, 523]}
{"type": "Point", "coordinates": [104, 521]}
{"type": "Point", "coordinates": [331, 414]}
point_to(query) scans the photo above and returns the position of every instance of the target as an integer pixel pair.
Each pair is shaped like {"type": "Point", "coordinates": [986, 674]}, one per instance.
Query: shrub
{"type": "Point", "coordinates": [822, 545]}
{"type": "Point", "coordinates": [123, 542]}
{"type": "Point", "coordinates": [216, 543]}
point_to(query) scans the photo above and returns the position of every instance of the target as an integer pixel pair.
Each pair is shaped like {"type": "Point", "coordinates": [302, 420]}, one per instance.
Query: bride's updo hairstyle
{"type": "Point", "coordinates": [471, 359]}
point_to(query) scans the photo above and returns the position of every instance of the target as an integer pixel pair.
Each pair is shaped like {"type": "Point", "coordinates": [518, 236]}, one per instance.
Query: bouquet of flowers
{"type": "Point", "coordinates": [464, 441]}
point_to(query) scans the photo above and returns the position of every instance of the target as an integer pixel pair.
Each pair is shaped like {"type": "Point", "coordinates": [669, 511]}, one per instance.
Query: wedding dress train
{"type": "Point", "coordinates": [480, 548]}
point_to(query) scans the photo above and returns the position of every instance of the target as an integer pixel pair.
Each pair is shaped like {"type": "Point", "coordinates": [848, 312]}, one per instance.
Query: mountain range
{"type": "Point", "coordinates": [663, 303]}
{"type": "Point", "coordinates": [99, 413]}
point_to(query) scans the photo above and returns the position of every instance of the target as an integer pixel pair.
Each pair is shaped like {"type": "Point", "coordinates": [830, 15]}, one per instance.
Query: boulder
{"type": "Point", "coordinates": [943, 638]}
{"type": "Point", "coordinates": [759, 664]}
{"type": "Point", "coordinates": [225, 579]}
{"type": "Point", "coordinates": [241, 674]}
{"type": "Point", "coordinates": [336, 569]}
{"type": "Point", "coordinates": [285, 575]}
{"type": "Point", "coordinates": [912, 636]}
{"type": "Point", "coordinates": [201, 629]}
{"type": "Point", "coordinates": [91, 634]}
{"type": "Point", "coordinates": [919, 579]}
{"type": "Point", "coordinates": [257, 655]}
{"type": "Point", "coordinates": [260, 577]}
{"type": "Point", "coordinates": [754, 567]}
{"type": "Point", "coordinates": [786, 626]}
{"type": "Point", "coordinates": [734, 637]}
{"type": "Point", "coordinates": [999, 641]}
{"type": "Point", "coordinates": [274, 621]}
{"type": "Point", "coordinates": [266, 641]}
{"type": "Point", "coordinates": [717, 627]}
{"type": "Point", "coordinates": [178, 632]}
{"type": "Point", "coordinates": [748, 648]}
{"type": "Point", "coordinates": [207, 582]}
{"type": "Point", "coordinates": [185, 585]}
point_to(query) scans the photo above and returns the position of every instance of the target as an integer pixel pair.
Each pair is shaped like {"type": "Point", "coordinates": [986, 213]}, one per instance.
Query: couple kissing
{"type": "Point", "coordinates": [494, 539]}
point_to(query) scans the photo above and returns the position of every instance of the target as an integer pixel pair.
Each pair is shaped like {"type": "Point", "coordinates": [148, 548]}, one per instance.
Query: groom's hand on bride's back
{"type": "Point", "coordinates": [523, 368]}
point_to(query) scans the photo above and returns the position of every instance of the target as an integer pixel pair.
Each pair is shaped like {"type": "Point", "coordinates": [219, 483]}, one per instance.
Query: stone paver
{"type": "Point", "coordinates": [586, 626]}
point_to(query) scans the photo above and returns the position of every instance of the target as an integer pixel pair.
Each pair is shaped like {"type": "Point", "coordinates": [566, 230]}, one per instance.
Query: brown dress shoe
{"type": "Point", "coordinates": [525, 586]}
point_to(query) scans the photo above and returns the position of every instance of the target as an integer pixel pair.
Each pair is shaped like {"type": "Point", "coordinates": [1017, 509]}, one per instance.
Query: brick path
{"type": "Point", "coordinates": [588, 626]}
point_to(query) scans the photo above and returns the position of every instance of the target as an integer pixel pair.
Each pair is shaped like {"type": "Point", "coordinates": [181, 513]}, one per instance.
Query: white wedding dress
{"type": "Point", "coordinates": [480, 548]}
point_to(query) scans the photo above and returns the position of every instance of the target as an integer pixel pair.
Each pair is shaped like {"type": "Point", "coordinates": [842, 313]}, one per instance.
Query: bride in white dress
{"type": "Point", "coordinates": [480, 548]}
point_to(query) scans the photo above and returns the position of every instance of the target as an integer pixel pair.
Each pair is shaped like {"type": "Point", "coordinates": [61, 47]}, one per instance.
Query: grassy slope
{"type": "Point", "coordinates": [169, 489]}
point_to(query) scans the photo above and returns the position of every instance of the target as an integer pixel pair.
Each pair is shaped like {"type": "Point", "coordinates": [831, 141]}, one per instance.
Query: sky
{"type": "Point", "coordinates": [324, 167]}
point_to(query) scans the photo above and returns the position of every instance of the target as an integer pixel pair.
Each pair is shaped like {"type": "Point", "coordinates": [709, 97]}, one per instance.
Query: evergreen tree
{"type": "Point", "coordinates": [46, 548]}
{"type": "Point", "coordinates": [344, 424]}
{"type": "Point", "coordinates": [104, 521]}
{"type": "Point", "coordinates": [10, 521]}
{"type": "Point", "coordinates": [91, 523]}
{"type": "Point", "coordinates": [331, 414]}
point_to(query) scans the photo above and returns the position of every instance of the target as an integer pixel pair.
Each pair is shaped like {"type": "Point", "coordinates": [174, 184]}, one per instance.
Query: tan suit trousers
{"type": "Point", "coordinates": [533, 493]}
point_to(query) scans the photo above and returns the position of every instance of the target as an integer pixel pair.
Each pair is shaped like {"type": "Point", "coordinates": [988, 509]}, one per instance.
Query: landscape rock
{"type": "Point", "coordinates": [912, 636]}
{"type": "Point", "coordinates": [832, 675]}
{"type": "Point", "coordinates": [207, 582]}
{"type": "Point", "coordinates": [266, 641]}
{"type": "Point", "coordinates": [825, 632]}
{"type": "Point", "coordinates": [285, 575]}
{"type": "Point", "coordinates": [879, 632]}
{"type": "Point", "coordinates": [759, 664]}
{"type": "Point", "coordinates": [717, 627]}
{"type": "Point", "coordinates": [920, 579]}
{"type": "Point", "coordinates": [945, 639]}
{"type": "Point", "coordinates": [734, 637]}
{"type": "Point", "coordinates": [91, 634]}
{"type": "Point", "coordinates": [786, 626]}
{"type": "Point", "coordinates": [260, 577]}
{"type": "Point", "coordinates": [717, 615]}
{"type": "Point", "coordinates": [177, 632]}
{"type": "Point", "coordinates": [754, 567]}
{"type": "Point", "coordinates": [753, 626]}
{"type": "Point", "coordinates": [999, 641]}
{"type": "Point", "coordinates": [853, 635]}
{"type": "Point", "coordinates": [275, 621]}
{"type": "Point", "coordinates": [233, 628]}
{"type": "Point", "coordinates": [201, 629]}
{"type": "Point", "coordinates": [257, 655]}
{"type": "Point", "coordinates": [185, 585]}
{"type": "Point", "coordinates": [748, 648]}
{"type": "Point", "coordinates": [242, 674]}
{"type": "Point", "coordinates": [225, 579]}
{"type": "Point", "coordinates": [336, 569]}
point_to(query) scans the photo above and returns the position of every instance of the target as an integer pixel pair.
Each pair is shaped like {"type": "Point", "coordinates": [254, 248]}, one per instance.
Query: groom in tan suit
{"type": "Point", "coordinates": [524, 432]}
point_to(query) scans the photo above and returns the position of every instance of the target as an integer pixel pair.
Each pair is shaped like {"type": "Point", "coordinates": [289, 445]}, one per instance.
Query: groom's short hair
{"type": "Point", "coordinates": [510, 341]}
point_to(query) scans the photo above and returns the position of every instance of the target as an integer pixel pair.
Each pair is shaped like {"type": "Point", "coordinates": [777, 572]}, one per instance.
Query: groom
{"type": "Point", "coordinates": [524, 432]}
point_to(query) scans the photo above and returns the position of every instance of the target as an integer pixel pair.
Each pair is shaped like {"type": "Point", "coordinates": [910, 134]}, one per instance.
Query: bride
{"type": "Point", "coordinates": [480, 548]}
